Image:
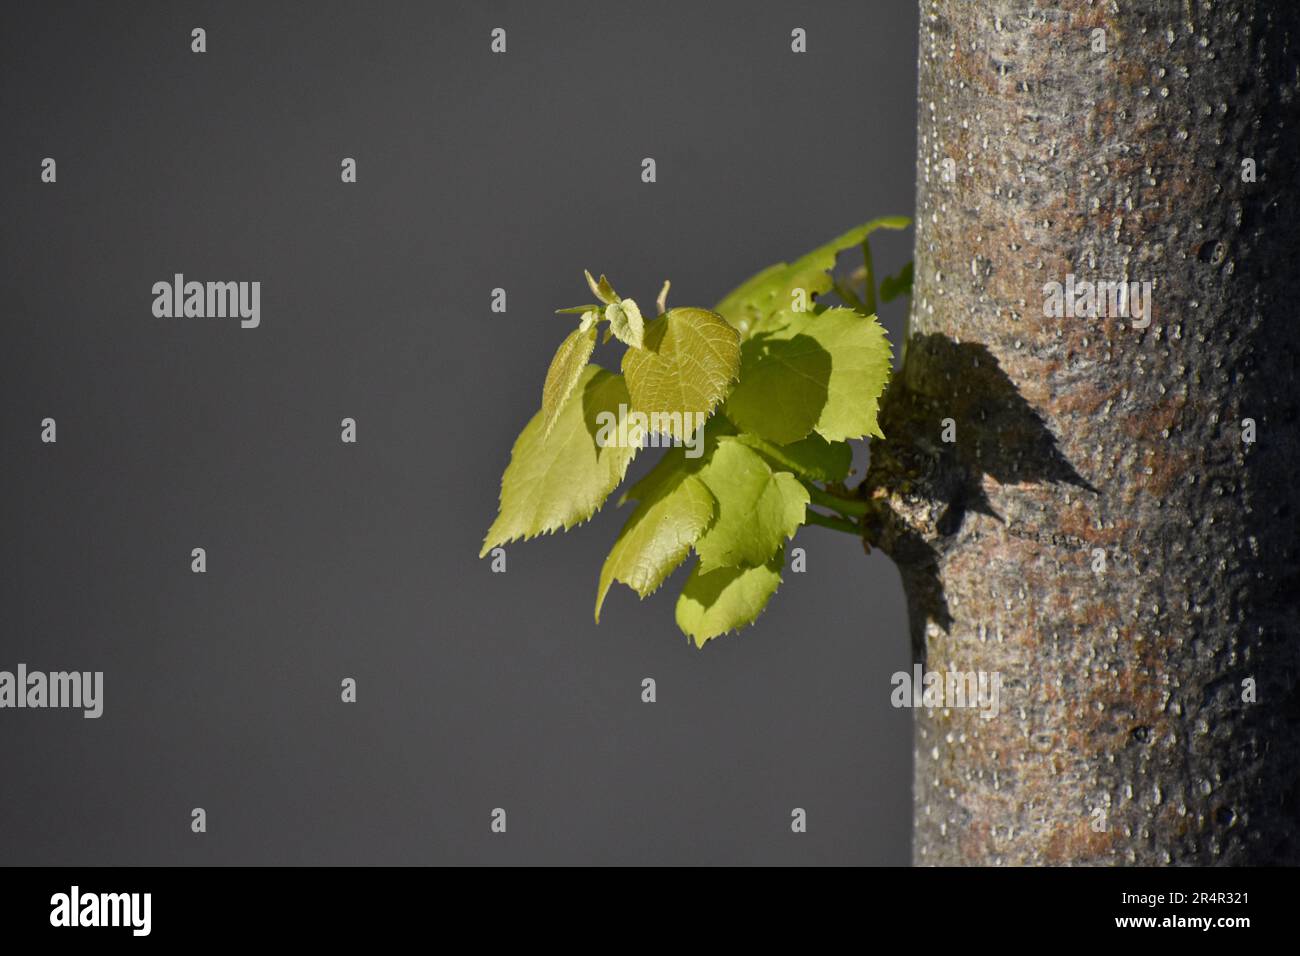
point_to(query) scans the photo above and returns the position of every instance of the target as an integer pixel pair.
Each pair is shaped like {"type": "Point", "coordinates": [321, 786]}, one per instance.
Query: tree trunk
{"type": "Point", "coordinates": [1127, 731]}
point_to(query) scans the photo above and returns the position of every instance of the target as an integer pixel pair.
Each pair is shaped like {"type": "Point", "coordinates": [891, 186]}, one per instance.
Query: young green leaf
{"type": "Point", "coordinates": [579, 309]}
{"type": "Point", "coordinates": [675, 462]}
{"type": "Point", "coordinates": [822, 372]}
{"type": "Point", "coordinates": [688, 359]}
{"type": "Point", "coordinates": [809, 378]}
{"type": "Point", "coordinates": [757, 508]}
{"type": "Point", "coordinates": [813, 457]}
{"type": "Point", "coordinates": [602, 290]}
{"type": "Point", "coordinates": [560, 480]}
{"type": "Point", "coordinates": [751, 305]}
{"type": "Point", "coordinates": [625, 322]}
{"type": "Point", "coordinates": [754, 299]}
{"type": "Point", "coordinates": [657, 536]}
{"type": "Point", "coordinates": [566, 368]}
{"type": "Point", "coordinates": [715, 602]}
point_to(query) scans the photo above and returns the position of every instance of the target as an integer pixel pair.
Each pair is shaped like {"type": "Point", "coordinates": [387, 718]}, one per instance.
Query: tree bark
{"type": "Point", "coordinates": [1126, 732]}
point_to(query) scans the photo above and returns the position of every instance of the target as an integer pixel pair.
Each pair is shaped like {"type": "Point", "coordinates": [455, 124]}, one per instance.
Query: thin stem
{"type": "Point", "coordinates": [835, 524]}
{"type": "Point", "coordinates": [852, 507]}
{"type": "Point", "coordinates": [871, 278]}
{"type": "Point", "coordinates": [662, 301]}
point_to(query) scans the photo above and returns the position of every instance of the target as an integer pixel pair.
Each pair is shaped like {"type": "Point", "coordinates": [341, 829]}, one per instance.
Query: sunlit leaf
{"type": "Point", "coordinates": [682, 371]}
{"type": "Point", "coordinates": [566, 368]}
{"type": "Point", "coordinates": [715, 602]}
{"type": "Point", "coordinates": [758, 509]}
{"type": "Point", "coordinates": [557, 481]}
{"type": "Point", "coordinates": [822, 372]}
{"type": "Point", "coordinates": [749, 306]}
{"type": "Point", "coordinates": [658, 536]}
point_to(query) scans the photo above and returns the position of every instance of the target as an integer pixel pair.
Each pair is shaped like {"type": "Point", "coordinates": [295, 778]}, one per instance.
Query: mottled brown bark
{"type": "Point", "coordinates": [1122, 690]}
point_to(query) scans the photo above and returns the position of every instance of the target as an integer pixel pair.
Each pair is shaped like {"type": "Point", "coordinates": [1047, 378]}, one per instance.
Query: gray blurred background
{"type": "Point", "coordinates": [475, 690]}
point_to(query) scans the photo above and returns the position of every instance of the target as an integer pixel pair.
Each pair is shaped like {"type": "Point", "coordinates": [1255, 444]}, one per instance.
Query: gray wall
{"type": "Point", "coordinates": [476, 690]}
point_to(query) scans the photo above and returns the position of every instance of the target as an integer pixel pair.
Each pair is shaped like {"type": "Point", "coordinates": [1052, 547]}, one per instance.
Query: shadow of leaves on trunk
{"type": "Point", "coordinates": [951, 416]}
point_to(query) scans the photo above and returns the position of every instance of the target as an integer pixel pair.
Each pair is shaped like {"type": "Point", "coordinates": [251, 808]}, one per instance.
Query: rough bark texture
{"type": "Point", "coordinates": [1123, 689]}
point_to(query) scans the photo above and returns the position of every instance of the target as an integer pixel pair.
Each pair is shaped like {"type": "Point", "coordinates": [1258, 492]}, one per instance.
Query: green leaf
{"type": "Point", "coordinates": [566, 368]}
{"type": "Point", "coordinates": [822, 372]}
{"type": "Point", "coordinates": [675, 461]}
{"type": "Point", "coordinates": [559, 481]}
{"type": "Point", "coordinates": [657, 536]}
{"type": "Point", "coordinates": [687, 360]}
{"type": "Point", "coordinates": [894, 286]}
{"type": "Point", "coordinates": [813, 457]}
{"type": "Point", "coordinates": [602, 290]}
{"type": "Point", "coordinates": [749, 306]}
{"type": "Point", "coordinates": [714, 602]}
{"type": "Point", "coordinates": [578, 309]}
{"type": "Point", "coordinates": [626, 323]}
{"type": "Point", "coordinates": [757, 508]}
